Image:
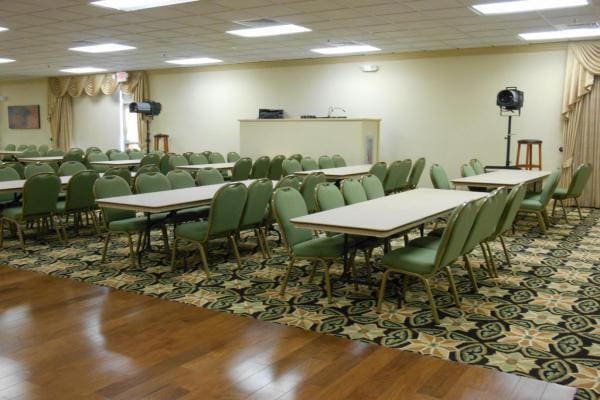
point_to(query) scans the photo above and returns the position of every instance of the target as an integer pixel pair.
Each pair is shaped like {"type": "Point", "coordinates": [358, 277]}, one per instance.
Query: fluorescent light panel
{"type": "Point", "coordinates": [102, 48]}
{"type": "Point", "coordinates": [2, 29]}
{"type": "Point", "coordinates": [194, 61]}
{"type": "Point", "coordinates": [273, 30]}
{"type": "Point", "coordinates": [509, 7]}
{"type": "Point", "coordinates": [358, 48]}
{"type": "Point", "coordinates": [562, 34]}
{"type": "Point", "coordinates": [82, 70]}
{"type": "Point", "coordinates": [6, 60]}
{"type": "Point", "coordinates": [134, 5]}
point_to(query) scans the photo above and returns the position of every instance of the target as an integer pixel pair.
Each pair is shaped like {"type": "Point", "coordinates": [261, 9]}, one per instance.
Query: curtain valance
{"type": "Point", "coordinates": [583, 62]}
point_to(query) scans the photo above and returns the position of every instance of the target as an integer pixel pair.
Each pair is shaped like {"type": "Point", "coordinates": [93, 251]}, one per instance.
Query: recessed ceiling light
{"type": "Point", "coordinates": [194, 61]}
{"type": "Point", "coordinates": [2, 29]}
{"type": "Point", "coordinates": [272, 30]}
{"type": "Point", "coordinates": [509, 7]}
{"type": "Point", "coordinates": [6, 60]}
{"type": "Point", "coordinates": [347, 49]}
{"type": "Point", "coordinates": [102, 48]}
{"type": "Point", "coordinates": [134, 5]}
{"type": "Point", "coordinates": [82, 70]}
{"type": "Point", "coordinates": [562, 34]}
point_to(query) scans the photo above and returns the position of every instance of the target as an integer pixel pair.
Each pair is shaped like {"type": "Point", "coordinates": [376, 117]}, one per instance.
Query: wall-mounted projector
{"type": "Point", "coordinates": [145, 107]}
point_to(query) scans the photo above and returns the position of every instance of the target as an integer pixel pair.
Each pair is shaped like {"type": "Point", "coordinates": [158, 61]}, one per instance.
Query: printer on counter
{"type": "Point", "coordinates": [265, 113]}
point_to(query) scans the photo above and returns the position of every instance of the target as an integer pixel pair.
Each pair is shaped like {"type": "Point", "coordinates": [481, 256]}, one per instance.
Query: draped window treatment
{"type": "Point", "coordinates": [581, 110]}
{"type": "Point", "coordinates": [63, 89]}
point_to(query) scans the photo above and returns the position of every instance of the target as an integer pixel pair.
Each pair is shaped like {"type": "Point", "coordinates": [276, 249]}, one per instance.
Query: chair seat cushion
{"type": "Point", "coordinates": [191, 213]}
{"type": "Point", "coordinates": [428, 242]}
{"type": "Point", "coordinates": [326, 246]}
{"type": "Point", "coordinates": [532, 202]}
{"type": "Point", "coordinates": [60, 206]}
{"type": "Point", "coordinates": [417, 260]}
{"type": "Point", "coordinates": [560, 194]}
{"type": "Point", "coordinates": [196, 231]}
{"type": "Point", "coordinates": [13, 212]}
{"type": "Point", "coordinates": [135, 224]}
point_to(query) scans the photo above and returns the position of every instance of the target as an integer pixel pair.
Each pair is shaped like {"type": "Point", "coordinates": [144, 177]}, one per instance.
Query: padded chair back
{"type": "Point", "coordinates": [307, 189]}
{"type": "Point", "coordinates": [118, 155]}
{"type": "Point", "coordinates": [32, 147]}
{"type": "Point", "coordinates": [110, 151]}
{"type": "Point", "coordinates": [241, 169]}
{"type": "Point", "coordinates": [43, 150]}
{"type": "Point", "coordinates": [549, 187]}
{"type": "Point", "coordinates": [477, 166]}
{"type": "Point", "coordinates": [8, 174]}
{"type": "Point", "coordinates": [298, 157]}
{"type": "Point", "coordinates": [467, 170]}
{"type": "Point", "coordinates": [513, 203]}
{"type": "Point", "coordinates": [353, 191]}
{"type": "Point", "coordinates": [147, 168]}
{"type": "Point", "coordinates": [163, 163]}
{"type": "Point", "coordinates": [177, 160]}
{"type": "Point", "coordinates": [438, 176]}
{"type": "Point", "coordinates": [70, 168]}
{"type": "Point", "coordinates": [40, 194]}
{"type": "Point", "coordinates": [379, 170]}
{"type": "Point", "coordinates": [38, 168]}
{"type": "Point", "coordinates": [373, 186]}
{"type": "Point", "coordinates": [392, 177]}
{"type": "Point", "coordinates": [22, 147]}
{"type": "Point", "coordinates": [415, 173]}
{"type": "Point", "coordinates": [260, 169]}
{"type": "Point", "coordinates": [74, 154]}
{"type": "Point", "coordinates": [209, 176]}
{"type": "Point", "coordinates": [180, 179]}
{"type": "Point", "coordinates": [259, 196]}
{"type": "Point", "coordinates": [486, 220]}
{"type": "Point", "coordinates": [97, 156]}
{"type": "Point", "coordinates": [112, 186]}
{"type": "Point", "coordinates": [122, 172]}
{"type": "Point", "coordinates": [276, 167]}
{"type": "Point", "coordinates": [226, 209]}
{"type": "Point", "coordinates": [149, 159]}
{"type": "Point", "coordinates": [216, 158]}
{"type": "Point", "coordinates": [328, 196]}
{"type": "Point", "coordinates": [232, 156]}
{"type": "Point", "coordinates": [456, 233]}
{"type": "Point", "coordinates": [136, 155]}
{"type": "Point", "coordinates": [10, 147]}
{"type": "Point", "coordinates": [198, 159]}
{"type": "Point", "coordinates": [80, 191]}
{"type": "Point", "coordinates": [403, 174]}
{"type": "Point", "coordinates": [579, 180]}
{"type": "Point", "coordinates": [287, 203]}
{"type": "Point", "coordinates": [30, 153]}
{"type": "Point", "coordinates": [291, 166]}
{"type": "Point", "coordinates": [338, 161]}
{"type": "Point", "coordinates": [152, 182]}
{"type": "Point", "coordinates": [289, 181]}
{"type": "Point", "coordinates": [93, 149]}
{"type": "Point", "coordinates": [326, 162]}
{"type": "Point", "coordinates": [308, 164]}
{"type": "Point", "coordinates": [17, 166]}
{"type": "Point", "coordinates": [55, 153]}
{"type": "Point", "coordinates": [206, 154]}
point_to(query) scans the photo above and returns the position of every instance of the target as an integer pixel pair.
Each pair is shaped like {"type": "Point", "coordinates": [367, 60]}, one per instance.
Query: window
{"type": "Point", "coordinates": [129, 124]}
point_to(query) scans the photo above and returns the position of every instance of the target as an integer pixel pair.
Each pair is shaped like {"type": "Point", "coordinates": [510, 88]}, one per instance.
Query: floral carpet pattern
{"type": "Point", "coordinates": [539, 319]}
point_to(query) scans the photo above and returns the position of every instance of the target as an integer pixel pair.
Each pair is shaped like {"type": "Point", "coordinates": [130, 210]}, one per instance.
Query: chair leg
{"type": "Point", "coordinates": [174, 253]}
{"type": "Point", "coordinates": [353, 269]}
{"type": "Point", "coordinates": [488, 266]}
{"type": "Point", "coordinates": [105, 246]}
{"type": "Point", "coordinates": [287, 276]}
{"type": "Point", "coordinates": [505, 251]}
{"type": "Point", "coordinates": [452, 286]}
{"type": "Point", "coordinates": [95, 222]}
{"type": "Point", "coordinates": [131, 253]}
{"type": "Point", "coordinates": [165, 238]}
{"type": "Point", "coordinates": [434, 312]}
{"type": "Point", "coordinates": [264, 234]}
{"type": "Point", "coordinates": [20, 235]}
{"type": "Point", "coordinates": [562, 205]}
{"type": "Point", "coordinates": [235, 250]}
{"type": "Point", "coordinates": [540, 218]}
{"type": "Point", "coordinates": [260, 242]}
{"type": "Point", "coordinates": [546, 218]}
{"type": "Point", "coordinates": [381, 295]}
{"type": "Point", "coordinates": [368, 266]}
{"type": "Point", "coordinates": [578, 209]}
{"type": "Point", "coordinates": [204, 259]}
{"type": "Point", "coordinates": [328, 282]}
{"type": "Point", "coordinates": [553, 207]}
{"type": "Point", "coordinates": [492, 262]}
{"type": "Point", "coordinates": [57, 228]}
{"type": "Point", "coordinates": [469, 269]}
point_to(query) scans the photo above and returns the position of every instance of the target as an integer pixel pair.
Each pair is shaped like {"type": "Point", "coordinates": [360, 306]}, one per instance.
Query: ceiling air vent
{"type": "Point", "coordinates": [582, 25]}
{"type": "Point", "coordinates": [258, 23]}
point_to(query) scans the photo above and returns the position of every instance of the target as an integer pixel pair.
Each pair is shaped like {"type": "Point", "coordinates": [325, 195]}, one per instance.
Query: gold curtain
{"type": "Point", "coordinates": [63, 89]}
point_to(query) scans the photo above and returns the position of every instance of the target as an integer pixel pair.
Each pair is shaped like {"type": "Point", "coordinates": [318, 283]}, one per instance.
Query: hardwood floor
{"type": "Point", "coordinates": [61, 339]}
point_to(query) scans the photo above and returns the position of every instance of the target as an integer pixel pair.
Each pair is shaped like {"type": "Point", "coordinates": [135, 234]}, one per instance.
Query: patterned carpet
{"type": "Point", "coordinates": [540, 319]}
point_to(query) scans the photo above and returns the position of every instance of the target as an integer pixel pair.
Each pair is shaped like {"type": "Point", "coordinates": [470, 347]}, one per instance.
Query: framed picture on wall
{"type": "Point", "coordinates": [24, 117]}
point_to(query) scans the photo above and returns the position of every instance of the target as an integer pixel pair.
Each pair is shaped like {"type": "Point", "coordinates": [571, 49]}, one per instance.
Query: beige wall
{"type": "Point", "coordinates": [96, 122]}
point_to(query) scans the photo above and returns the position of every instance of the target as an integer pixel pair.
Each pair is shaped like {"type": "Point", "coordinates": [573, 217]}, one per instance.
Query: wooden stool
{"type": "Point", "coordinates": [529, 143]}
{"type": "Point", "coordinates": [161, 137]}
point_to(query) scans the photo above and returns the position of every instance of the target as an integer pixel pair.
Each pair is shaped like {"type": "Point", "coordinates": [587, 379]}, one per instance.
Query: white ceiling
{"type": "Point", "coordinates": [42, 30]}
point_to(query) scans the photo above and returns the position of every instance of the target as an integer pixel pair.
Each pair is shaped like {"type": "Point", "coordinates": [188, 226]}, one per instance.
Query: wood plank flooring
{"type": "Point", "coordinates": [61, 339]}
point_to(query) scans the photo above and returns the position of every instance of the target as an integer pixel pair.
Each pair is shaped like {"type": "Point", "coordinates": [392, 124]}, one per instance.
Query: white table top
{"type": "Point", "coordinates": [17, 185]}
{"type": "Point", "coordinates": [386, 216]}
{"type": "Point", "coordinates": [11, 152]}
{"type": "Point", "coordinates": [117, 163]}
{"type": "Point", "coordinates": [201, 166]}
{"type": "Point", "coordinates": [39, 159]}
{"type": "Point", "coordinates": [341, 172]}
{"type": "Point", "coordinates": [503, 177]}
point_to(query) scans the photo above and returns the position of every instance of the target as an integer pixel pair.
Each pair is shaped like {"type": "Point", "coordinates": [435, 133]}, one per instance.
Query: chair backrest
{"type": "Point", "coordinates": [477, 166]}
{"type": "Point", "coordinates": [163, 163]}
{"type": "Point", "coordinates": [136, 155]}
{"type": "Point", "coordinates": [17, 166]}
{"type": "Point", "coordinates": [328, 196]}
{"type": "Point", "coordinates": [43, 150]}
{"type": "Point", "coordinates": [308, 164]}
{"type": "Point", "coordinates": [226, 209]}
{"type": "Point", "coordinates": [80, 191]}
{"type": "Point", "coordinates": [122, 172]}
{"type": "Point", "coordinates": [147, 168]}
{"type": "Point", "coordinates": [176, 160]}
{"type": "Point", "coordinates": [392, 177]}
{"type": "Point", "coordinates": [416, 172]}
{"type": "Point", "coordinates": [287, 203]}
{"type": "Point", "coordinates": [10, 147]}
{"type": "Point", "coordinates": [403, 173]}
{"type": "Point", "coordinates": [486, 220]}
{"type": "Point", "coordinates": [74, 154]}
{"type": "Point", "coordinates": [579, 180]}
{"type": "Point", "coordinates": [467, 170]}
{"type": "Point", "coordinates": [198, 159]}
{"type": "Point", "coordinates": [260, 169]}
{"type": "Point", "coordinates": [209, 176]}
{"type": "Point", "coordinates": [110, 151]}
{"type": "Point", "coordinates": [70, 168]}
{"type": "Point", "coordinates": [180, 179]}
{"type": "Point", "coordinates": [97, 156]}
{"type": "Point", "coordinates": [55, 153]}
{"type": "Point", "coordinates": [93, 149]}
{"type": "Point", "coordinates": [438, 176]}
{"type": "Point", "coordinates": [257, 203]}
{"type": "Point", "coordinates": [112, 186]}
{"type": "Point", "coordinates": [379, 170]}
{"type": "Point", "coordinates": [338, 161]}
{"type": "Point", "coordinates": [152, 182]}
{"type": "Point", "coordinates": [457, 230]}
{"type": "Point", "coordinates": [232, 156]}
{"type": "Point", "coordinates": [8, 174]}
{"type": "Point", "coordinates": [373, 186]}
{"type": "Point", "coordinates": [38, 168]}
{"type": "Point", "coordinates": [291, 166]}
{"type": "Point", "coordinates": [353, 191]}
{"type": "Point", "coordinates": [549, 187]}
{"type": "Point", "coordinates": [289, 181]}
{"type": "Point", "coordinates": [32, 147]}
{"type": "Point", "coordinates": [188, 154]}
{"type": "Point", "coordinates": [241, 169]}
{"type": "Point", "coordinates": [216, 158]}
{"type": "Point", "coordinates": [206, 153]}
{"type": "Point", "coordinates": [298, 157]}
{"type": "Point", "coordinates": [149, 159]}
{"type": "Point", "coordinates": [513, 203]}
{"type": "Point", "coordinates": [118, 155]}
{"type": "Point", "coordinates": [307, 189]}
{"type": "Point", "coordinates": [326, 162]}
{"type": "Point", "coordinates": [40, 194]}
{"type": "Point", "coordinates": [22, 147]}
{"type": "Point", "coordinates": [276, 168]}
{"type": "Point", "coordinates": [30, 153]}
